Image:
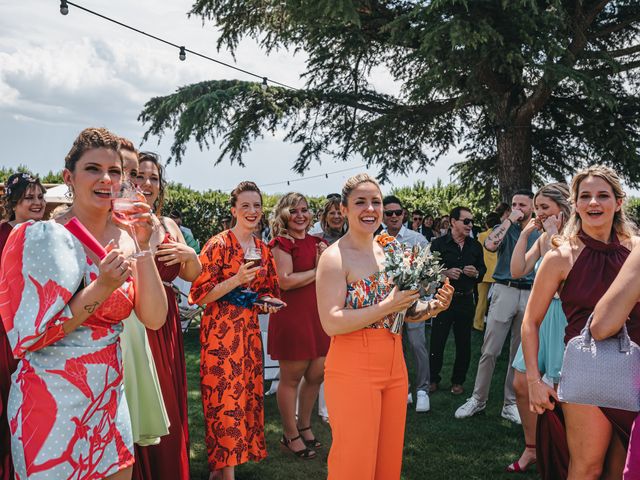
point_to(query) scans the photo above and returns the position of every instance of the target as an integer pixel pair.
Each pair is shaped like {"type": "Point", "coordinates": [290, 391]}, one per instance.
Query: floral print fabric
{"type": "Point", "coordinates": [374, 288]}
{"type": "Point", "coordinates": [67, 413]}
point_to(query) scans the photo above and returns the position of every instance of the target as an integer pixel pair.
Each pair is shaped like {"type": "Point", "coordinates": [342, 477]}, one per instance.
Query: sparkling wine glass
{"type": "Point", "coordinates": [123, 209]}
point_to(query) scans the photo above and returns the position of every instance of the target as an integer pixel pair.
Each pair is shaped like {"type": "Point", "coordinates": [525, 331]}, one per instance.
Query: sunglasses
{"type": "Point", "coordinates": [391, 213]}
{"type": "Point", "coordinates": [467, 221]}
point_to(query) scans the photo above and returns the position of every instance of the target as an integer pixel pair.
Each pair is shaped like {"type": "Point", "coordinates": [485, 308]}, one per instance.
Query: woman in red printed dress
{"type": "Point", "coordinates": [237, 270]}
{"type": "Point", "coordinates": [62, 309]}
{"type": "Point", "coordinates": [170, 458]}
{"type": "Point", "coordinates": [23, 201]}
{"type": "Point", "coordinates": [296, 338]}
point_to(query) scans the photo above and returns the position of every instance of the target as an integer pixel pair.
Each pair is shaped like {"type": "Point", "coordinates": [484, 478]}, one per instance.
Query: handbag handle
{"type": "Point", "coordinates": [623, 336]}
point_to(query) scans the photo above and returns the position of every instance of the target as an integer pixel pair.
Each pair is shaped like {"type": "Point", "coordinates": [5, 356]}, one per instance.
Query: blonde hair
{"type": "Point", "coordinates": [621, 224]}
{"type": "Point", "coordinates": [328, 205]}
{"type": "Point", "coordinates": [354, 182]}
{"type": "Point", "coordinates": [560, 194]}
{"type": "Point", "coordinates": [281, 216]}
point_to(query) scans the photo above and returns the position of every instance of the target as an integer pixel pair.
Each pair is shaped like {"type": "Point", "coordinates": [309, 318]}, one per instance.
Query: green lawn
{"type": "Point", "coordinates": [437, 446]}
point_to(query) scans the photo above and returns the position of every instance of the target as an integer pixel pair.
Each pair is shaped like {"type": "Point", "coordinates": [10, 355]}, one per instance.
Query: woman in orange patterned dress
{"type": "Point", "coordinates": [231, 346]}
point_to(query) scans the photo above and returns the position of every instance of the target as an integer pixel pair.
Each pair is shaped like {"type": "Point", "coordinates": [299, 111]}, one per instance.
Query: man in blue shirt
{"type": "Point", "coordinates": [416, 331]}
{"type": "Point", "coordinates": [508, 303]}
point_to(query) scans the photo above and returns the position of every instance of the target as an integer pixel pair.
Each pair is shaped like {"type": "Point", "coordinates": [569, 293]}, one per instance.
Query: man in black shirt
{"type": "Point", "coordinates": [463, 258]}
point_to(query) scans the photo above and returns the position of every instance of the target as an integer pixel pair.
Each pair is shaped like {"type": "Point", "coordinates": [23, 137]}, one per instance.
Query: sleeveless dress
{"type": "Point", "coordinates": [67, 411]}
{"type": "Point", "coordinates": [551, 343]}
{"type": "Point", "coordinates": [8, 365]}
{"type": "Point", "coordinates": [170, 458]}
{"type": "Point", "coordinates": [295, 332]}
{"type": "Point", "coordinates": [590, 277]}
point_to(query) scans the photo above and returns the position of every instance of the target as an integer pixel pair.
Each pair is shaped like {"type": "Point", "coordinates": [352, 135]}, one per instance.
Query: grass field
{"type": "Point", "coordinates": [437, 446]}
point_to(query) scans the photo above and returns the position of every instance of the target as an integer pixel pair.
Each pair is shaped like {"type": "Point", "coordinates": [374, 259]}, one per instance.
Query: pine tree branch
{"type": "Point", "coordinates": [614, 28]}
{"type": "Point", "coordinates": [550, 80]}
{"type": "Point", "coordinates": [621, 52]}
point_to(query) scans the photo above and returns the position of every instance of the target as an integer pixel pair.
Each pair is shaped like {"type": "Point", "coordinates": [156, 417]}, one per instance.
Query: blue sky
{"type": "Point", "coordinates": [59, 74]}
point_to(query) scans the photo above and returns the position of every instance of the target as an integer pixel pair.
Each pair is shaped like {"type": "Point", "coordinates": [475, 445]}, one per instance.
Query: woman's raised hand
{"type": "Point", "coordinates": [246, 274]}
{"type": "Point", "coordinates": [443, 298]}
{"type": "Point", "coordinates": [399, 300]}
{"type": "Point", "coordinates": [114, 269]}
{"type": "Point", "coordinates": [172, 252]}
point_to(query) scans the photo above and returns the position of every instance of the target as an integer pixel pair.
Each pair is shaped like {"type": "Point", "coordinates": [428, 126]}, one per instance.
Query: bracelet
{"type": "Point", "coordinates": [539, 380]}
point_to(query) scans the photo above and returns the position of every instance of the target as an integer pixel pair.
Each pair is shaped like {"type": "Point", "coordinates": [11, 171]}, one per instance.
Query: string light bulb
{"type": "Point", "coordinates": [264, 83]}
{"type": "Point", "coordinates": [64, 7]}
{"type": "Point", "coordinates": [183, 54]}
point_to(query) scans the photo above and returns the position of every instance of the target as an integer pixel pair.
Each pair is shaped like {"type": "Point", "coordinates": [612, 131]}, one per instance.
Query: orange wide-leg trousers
{"type": "Point", "coordinates": [366, 391]}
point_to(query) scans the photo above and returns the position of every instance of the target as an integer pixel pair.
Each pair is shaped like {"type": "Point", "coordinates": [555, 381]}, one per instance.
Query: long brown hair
{"type": "Point", "coordinates": [155, 159]}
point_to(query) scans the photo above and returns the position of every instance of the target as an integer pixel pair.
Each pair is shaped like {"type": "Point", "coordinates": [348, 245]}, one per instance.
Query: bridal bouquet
{"type": "Point", "coordinates": [416, 268]}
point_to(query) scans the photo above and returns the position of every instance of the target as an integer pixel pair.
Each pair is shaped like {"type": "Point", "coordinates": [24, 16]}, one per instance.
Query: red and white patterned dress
{"type": "Point", "coordinates": [67, 412]}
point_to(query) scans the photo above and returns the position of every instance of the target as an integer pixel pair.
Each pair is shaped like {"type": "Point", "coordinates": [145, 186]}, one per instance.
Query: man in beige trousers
{"type": "Point", "coordinates": [508, 303]}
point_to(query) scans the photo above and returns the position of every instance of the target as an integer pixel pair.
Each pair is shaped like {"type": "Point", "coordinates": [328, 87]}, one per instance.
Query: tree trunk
{"type": "Point", "coordinates": [514, 159]}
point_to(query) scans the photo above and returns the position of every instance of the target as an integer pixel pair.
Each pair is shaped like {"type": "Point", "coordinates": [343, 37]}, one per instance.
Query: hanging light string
{"type": "Point", "coordinates": [302, 179]}
{"type": "Point", "coordinates": [64, 10]}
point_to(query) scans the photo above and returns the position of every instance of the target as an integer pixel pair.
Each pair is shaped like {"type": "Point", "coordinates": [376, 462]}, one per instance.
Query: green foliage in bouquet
{"type": "Point", "coordinates": [415, 269]}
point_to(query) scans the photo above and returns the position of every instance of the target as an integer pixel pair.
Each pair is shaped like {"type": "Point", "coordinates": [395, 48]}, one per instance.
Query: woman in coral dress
{"type": "Point", "coordinates": [365, 374]}
{"type": "Point", "coordinates": [62, 309]}
{"type": "Point", "coordinates": [23, 201]}
{"type": "Point", "coordinates": [170, 458]}
{"type": "Point", "coordinates": [231, 346]}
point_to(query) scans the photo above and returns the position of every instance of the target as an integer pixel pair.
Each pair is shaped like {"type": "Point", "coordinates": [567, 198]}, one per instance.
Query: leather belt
{"type": "Point", "coordinates": [518, 285]}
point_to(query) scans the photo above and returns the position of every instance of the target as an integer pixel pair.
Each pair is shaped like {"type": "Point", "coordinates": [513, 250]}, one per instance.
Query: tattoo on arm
{"type": "Point", "coordinates": [91, 307]}
{"type": "Point", "coordinates": [497, 235]}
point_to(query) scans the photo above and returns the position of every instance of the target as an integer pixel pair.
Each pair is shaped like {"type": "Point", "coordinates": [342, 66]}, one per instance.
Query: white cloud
{"type": "Point", "coordinates": [59, 74]}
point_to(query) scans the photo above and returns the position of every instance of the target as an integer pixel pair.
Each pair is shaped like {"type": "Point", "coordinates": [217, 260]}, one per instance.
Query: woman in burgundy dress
{"type": "Point", "coordinates": [170, 458]}
{"type": "Point", "coordinates": [23, 200]}
{"type": "Point", "coordinates": [597, 240]}
{"type": "Point", "coordinates": [296, 338]}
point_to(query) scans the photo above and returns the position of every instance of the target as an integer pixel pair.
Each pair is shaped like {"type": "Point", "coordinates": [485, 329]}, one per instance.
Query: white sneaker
{"type": "Point", "coordinates": [470, 408]}
{"type": "Point", "coordinates": [273, 389]}
{"type": "Point", "coordinates": [510, 412]}
{"type": "Point", "coordinates": [422, 402]}
{"type": "Point", "coordinates": [409, 399]}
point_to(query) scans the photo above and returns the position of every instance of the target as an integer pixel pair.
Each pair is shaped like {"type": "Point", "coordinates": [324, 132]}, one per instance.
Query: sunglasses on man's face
{"type": "Point", "coordinates": [467, 221]}
{"type": "Point", "coordinates": [417, 219]}
{"type": "Point", "coordinates": [391, 213]}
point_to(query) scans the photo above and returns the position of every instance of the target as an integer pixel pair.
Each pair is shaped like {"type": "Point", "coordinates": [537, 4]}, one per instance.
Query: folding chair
{"type": "Point", "coordinates": [187, 314]}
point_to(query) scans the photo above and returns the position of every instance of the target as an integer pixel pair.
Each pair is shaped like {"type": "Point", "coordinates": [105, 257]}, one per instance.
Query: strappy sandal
{"type": "Point", "coordinates": [515, 466]}
{"type": "Point", "coordinates": [304, 454]}
{"type": "Point", "coordinates": [313, 443]}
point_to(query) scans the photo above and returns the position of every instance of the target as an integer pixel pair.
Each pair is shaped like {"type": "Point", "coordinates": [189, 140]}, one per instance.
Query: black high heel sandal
{"type": "Point", "coordinates": [304, 454]}
{"type": "Point", "coordinates": [313, 443]}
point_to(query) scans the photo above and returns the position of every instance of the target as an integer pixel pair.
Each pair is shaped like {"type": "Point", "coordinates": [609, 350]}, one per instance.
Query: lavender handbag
{"type": "Point", "coordinates": [605, 373]}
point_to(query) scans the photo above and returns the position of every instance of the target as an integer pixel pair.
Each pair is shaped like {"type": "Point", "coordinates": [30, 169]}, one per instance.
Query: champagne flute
{"type": "Point", "coordinates": [123, 209]}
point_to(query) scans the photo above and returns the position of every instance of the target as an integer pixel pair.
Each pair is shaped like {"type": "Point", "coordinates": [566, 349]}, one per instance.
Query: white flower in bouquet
{"type": "Point", "coordinates": [413, 269]}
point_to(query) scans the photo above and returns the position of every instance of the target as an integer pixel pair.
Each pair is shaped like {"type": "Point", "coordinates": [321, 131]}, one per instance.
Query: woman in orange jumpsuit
{"type": "Point", "coordinates": [234, 262]}
{"type": "Point", "coordinates": [365, 374]}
